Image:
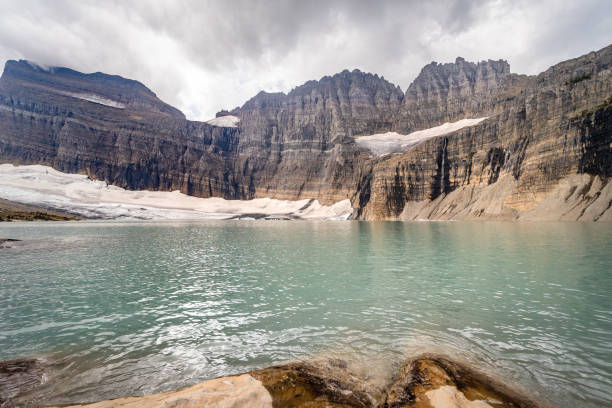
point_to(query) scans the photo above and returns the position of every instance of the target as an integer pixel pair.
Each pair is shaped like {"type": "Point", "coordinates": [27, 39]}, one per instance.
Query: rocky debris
{"type": "Point", "coordinates": [12, 211]}
{"type": "Point", "coordinates": [18, 377]}
{"type": "Point", "coordinates": [424, 382]}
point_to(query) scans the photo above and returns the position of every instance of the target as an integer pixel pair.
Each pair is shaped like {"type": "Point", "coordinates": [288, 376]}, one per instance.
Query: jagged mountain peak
{"type": "Point", "coordinates": [345, 90]}
{"type": "Point", "coordinates": [349, 81]}
{"type": "Point", "coordinates": [461, 65]}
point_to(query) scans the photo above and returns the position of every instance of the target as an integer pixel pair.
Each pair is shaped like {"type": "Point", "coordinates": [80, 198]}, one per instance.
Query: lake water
{"type": "Point", "coordinates": [124, 308]}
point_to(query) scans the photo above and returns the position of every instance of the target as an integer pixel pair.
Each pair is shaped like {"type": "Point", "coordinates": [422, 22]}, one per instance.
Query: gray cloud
{"type": "Point", "coordinates": [201, 56]}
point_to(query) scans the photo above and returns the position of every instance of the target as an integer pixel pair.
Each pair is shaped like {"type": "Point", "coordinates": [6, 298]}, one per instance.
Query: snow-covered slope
{"type": "Point", "coordinates": [46, 187]}
{"type": "Point", "coordinates": [96, 99]}
{"type": "Point", "coordinates": [225, 121]}
{"type": "Point", "coordinates": [393, 142]}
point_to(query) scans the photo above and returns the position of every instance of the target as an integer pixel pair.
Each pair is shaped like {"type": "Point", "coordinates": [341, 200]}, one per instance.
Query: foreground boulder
{"type": "Point", "coordinates": [426, 382]}
{"type": "Point", "coordinates": [439, 383]}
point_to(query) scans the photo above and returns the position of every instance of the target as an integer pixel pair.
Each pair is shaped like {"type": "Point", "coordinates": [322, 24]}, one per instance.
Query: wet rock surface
{"type": "Point", "coordinates": [17, 377]}
{"type": "Point", "coordinates": [435, 382]}
{"type": "Point", "coordinates": [326, 383]}
{"type": "Point", "coordinates": [423, 382]}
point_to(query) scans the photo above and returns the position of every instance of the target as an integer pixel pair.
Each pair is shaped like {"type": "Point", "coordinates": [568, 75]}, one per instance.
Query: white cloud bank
{"type": "Point", "coordinates": [203, 55]}
{"type": "Point", "coordinates": [46, 187]}
{"type": "Point", "coordinates": [392, 142]}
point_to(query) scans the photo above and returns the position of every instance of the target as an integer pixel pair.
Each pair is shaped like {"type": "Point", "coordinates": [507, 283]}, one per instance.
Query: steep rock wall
{"type": "Point", "coordinates": [300, 144]}
{"type": "Point", "coordinates": [146, 145]}
{"type": "Point", "coordinates": [555, 126]}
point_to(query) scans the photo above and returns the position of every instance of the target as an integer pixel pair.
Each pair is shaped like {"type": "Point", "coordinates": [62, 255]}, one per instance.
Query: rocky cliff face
{"type": "Point", "coordinates": [541, 132]}
{"type": "Point", "coordinates": [286, 146]}
{"type": "Point", "coordinates": [448, 92]}
{"type": "Point", "coordinates": [545, 136]}
{"type": "Point", "coordinates": [112, 129]}
{"type": "Point", "coordinates": [300, 144]}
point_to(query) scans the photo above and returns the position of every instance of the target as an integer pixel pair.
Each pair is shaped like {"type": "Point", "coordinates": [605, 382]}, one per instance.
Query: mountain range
{"type": "Point", "coordinates": [465, 141]}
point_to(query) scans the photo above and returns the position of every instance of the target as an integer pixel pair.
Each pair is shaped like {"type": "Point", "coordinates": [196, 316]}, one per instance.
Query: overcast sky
{"type": "Point", "coordinates": [202, 56]}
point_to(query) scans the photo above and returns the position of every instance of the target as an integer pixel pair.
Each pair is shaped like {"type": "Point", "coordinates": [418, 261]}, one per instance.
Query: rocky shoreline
{"type": "Point", "coordinates": [427, 381]}
{"type": "Point", "coordinates": [12, 211]}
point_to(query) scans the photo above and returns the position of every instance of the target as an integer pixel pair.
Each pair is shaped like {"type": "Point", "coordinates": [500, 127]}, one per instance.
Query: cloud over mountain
{"type": "Point", "coordinates": [204, 56]}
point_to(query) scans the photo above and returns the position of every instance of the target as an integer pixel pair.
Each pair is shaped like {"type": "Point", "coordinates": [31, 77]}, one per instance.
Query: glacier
{"type": "Point", "coordinates": [76, 193]}
{"type": "Point", "coordinates": [381, 144]}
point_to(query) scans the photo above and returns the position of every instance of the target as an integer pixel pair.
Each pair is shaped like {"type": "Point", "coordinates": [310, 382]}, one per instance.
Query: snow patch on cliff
{"type": "Point", "coordinates": [46, 187]}
{"type": "Point", "coordinates": [393, 142]}
{"type": "Point", "coordinates": [96, 99]}
{"type": "Point", "coordinates": [225, 121]}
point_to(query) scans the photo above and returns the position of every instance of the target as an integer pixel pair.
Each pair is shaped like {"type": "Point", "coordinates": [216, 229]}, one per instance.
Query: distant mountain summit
{"type": "Point", "coordinates": [24, 76]}
{"type": "Point", "coordinates": [465, 141]}
{"type": "Point", "coordinates": [444, 92]}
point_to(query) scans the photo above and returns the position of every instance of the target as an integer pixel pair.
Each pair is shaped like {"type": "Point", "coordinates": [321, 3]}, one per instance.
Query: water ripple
{"type": "Point", "coordinates": [141, 307]}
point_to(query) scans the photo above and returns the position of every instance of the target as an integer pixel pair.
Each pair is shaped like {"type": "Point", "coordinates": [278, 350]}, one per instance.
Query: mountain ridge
{"type": "Point", "coordinates": [302, 144]}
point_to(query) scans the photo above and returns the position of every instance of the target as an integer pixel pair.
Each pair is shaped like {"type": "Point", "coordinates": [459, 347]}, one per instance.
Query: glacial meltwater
{"type": "Point", "coordinates": [130, 308]}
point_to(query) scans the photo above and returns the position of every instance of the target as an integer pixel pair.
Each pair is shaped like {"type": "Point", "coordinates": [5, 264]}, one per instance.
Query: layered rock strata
{"type": "Point", "coordinates": [548, 137]}
{"type": "Point", "coordinates": [144, 145]}
{"type": "Point", "coordinates": [544, 150]}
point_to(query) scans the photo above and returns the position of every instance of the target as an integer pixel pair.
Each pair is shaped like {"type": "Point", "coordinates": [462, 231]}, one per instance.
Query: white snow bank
{"type": "Point", "coordinates": [225, 121]}
{"type": "Point", "coordinates": [44, 186]}
{"type": "Point", "coordinates": [393, 142]}
{"type": "Point", "coordinates": [96, 99]}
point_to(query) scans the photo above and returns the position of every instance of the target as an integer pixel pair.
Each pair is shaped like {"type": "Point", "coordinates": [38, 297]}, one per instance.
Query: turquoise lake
{"type": "Point", "coordinates": [129, 308]}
